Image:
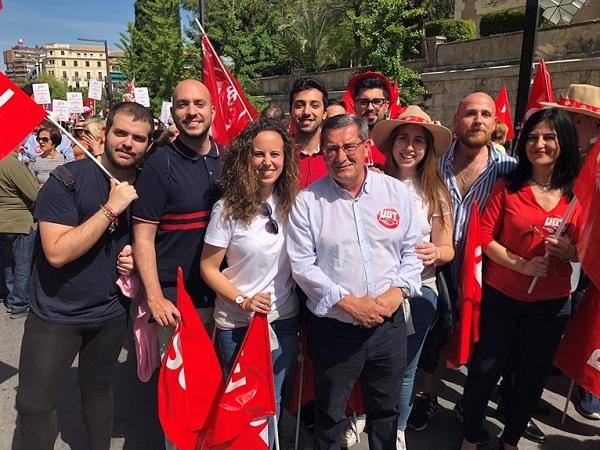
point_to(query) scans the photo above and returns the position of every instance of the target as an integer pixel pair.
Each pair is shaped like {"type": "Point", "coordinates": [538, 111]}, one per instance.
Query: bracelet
{"type": "Point", "coordinates": [112, 211]}
{"type": "Point", "coordinates": [110, 215]}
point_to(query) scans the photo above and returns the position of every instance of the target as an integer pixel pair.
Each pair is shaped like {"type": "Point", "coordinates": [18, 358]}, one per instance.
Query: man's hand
{"type": "Point", "coordinates": [125, 263]}
{"type": "Point", "coordinates": [535, 267]}
{"type": "Point", "coordinates": [389, 302]}
{"type": "Point", "coordinates": [363, 309]}
{"type": "Point", "coordinates": [120, 196]}
{"type": "Point", "coordinates": [164, 311]}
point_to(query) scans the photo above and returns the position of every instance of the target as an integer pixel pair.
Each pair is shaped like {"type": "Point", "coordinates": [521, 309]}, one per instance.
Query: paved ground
{"type": "Point", "coordinates": [136, 426]}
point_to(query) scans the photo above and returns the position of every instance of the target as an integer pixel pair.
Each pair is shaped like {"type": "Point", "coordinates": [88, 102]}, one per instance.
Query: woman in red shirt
{"type": "Point", "coordinates": [521, 217]}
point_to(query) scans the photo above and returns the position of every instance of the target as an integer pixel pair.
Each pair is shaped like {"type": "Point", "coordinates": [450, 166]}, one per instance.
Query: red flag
{"type": "Point", "coordinates": [503, 112]}
{"type": "Point", "coordinates": [190, 377]}
{"type": "Point", "coordinates": [587, 191]}
{"type": "Point", "coordinates": [249, 395]}
{"type": "Point", "coordinates": [578, 354]}
{"type": "Point", "coordinates": [0, 5]}
{"type": "Point", "coordinates": [541, 90]}
{"type": "Point", "coordinates": [129, 95]}
{"type": "Point", "coordinates": [19, 115]}
{"type": "Point", "coordinates": [467, 334]}
{"type": "Point", "coordinates": [396, 108]}
{"type": "Point", "coordinates": [233, 110]}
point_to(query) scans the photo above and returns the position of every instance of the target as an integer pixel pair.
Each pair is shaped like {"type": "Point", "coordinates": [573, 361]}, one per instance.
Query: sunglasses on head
{"type": "Point", "coordinates": [266, 211]}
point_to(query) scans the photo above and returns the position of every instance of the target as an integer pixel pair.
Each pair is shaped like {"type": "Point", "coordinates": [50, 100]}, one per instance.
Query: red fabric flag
{"type": "Point", "coordinates": [578, 354]}
{"type": "Point", "coordinates": [233, 110]}
{"type": "Point", "coordinates": [541, 90]}
{"type": "Point", "coordinates": [249, 395]}
{"type": "Point", "coordinates": [129, 95]}
{"type": "Point", "coordinates": [0, 5]}
{"type": "Point", "coordinates": [466, 335]}
{"type": "Point", "coordinates": [587, 191]}
{"type": "Point", "coordinates": [190, 377]}
{"type": "Point", "coordinates": [396, 108]}
{"type": "Point", "coordinates": [19, 115]}
{"type": "Point", "coordinates": [503, 112]}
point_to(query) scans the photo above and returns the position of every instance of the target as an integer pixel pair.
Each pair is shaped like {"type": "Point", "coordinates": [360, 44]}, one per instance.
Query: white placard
{"type": "Point", "coordinates": [165, 113]}
{"type": "Point", "coordinates": [75, 101]}
{"type": "Point", "coordinates": [41, 93]}
{"type": "Point", "coordinates": [95, 89]}
{"type": "Point", "coordinates": [141, 96]}
{"type": "Point", "coordinates": [61, 107]}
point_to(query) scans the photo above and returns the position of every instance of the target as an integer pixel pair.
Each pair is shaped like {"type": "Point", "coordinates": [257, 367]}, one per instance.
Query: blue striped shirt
{"type": "Point", "coordinates": [498, 165]}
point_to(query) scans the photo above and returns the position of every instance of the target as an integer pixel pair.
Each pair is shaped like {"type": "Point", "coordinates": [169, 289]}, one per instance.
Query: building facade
{"type": "Point", "coordinates": [22, 62]}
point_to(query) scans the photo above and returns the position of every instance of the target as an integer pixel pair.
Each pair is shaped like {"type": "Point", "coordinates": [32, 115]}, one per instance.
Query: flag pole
{"type": "Point", "coordinates": [276, 431]}
{"type": "Point", "coordinates": [558, 233]}
{"type": "Point", "coordinates": [85, 150]}
{"type": "Point", "coordinates": [564, 414]}
{"type": "Point", "coordinates": [223, 68]}
{"type": "Point", "coordinates": [300, 388]}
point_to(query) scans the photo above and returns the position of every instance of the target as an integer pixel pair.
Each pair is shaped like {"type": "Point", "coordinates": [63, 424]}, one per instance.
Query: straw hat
{"type": "Point", "coordinates": [414, 115]}
{"type": "Point", "coordinates": [580, 99]}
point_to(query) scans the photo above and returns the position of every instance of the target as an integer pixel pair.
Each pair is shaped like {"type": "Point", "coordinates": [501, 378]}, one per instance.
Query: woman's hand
{"type": "Point", "coordinates": [260, 303]}
{"type": "Point", "coordinates": [560, 247]}
{"type": "Point", "coordinates": [428, 253]}
{"type": "Point", "coordinates": [92, 144]}
{"type": "Point", "coordinates": [535, 267]}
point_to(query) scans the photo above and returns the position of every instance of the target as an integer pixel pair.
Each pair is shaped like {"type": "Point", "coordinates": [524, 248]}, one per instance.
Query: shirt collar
{"type": "Point", "coordinates": [494, 154]}
{"type": "Point", "coordinates": [365, 188]}
{"type": "Point", "coordinates": [189, 153]}
{"type": "Point", "coordinates": [303, 153]}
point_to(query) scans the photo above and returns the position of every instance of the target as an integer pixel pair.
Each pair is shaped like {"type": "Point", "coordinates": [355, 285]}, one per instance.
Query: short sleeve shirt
{"type": "Point", "coordinates": [82, 291]}
{"type": "Point", "coordinates": [177, 190]}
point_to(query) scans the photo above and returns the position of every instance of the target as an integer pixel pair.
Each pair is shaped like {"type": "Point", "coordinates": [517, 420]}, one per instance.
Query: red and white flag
{"type": "Point", "coordinates": [587, 191]}
{"type": "Point", "coordinates": [19, 115]}
{"type": "Point", "coordinates": [239, 420]}
{"type": "Point", "coordinates": [190, 377]}
{"type": "Point", "coordinates": [503, 112]}
{"type": "Point", "coordinates": [233, 110]}
{"type": "Point", "coordinates": [396, 108]}
{"type": "Point", "coordinates": [466, 335]}
{"type": "Point", "coordinates": [578, 354]}
{"type": "Point", "coordinates": [129, 95]}
{"type": "Point", "coordinates": [541, 91]}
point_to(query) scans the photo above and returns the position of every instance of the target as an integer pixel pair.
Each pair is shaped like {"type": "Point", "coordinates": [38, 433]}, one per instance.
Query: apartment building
{"type": "Point", "coordinates": [22, 62]}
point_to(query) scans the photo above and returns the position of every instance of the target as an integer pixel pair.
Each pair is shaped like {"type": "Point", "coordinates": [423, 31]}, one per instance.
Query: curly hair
{"type": "Point", "coordinates": [239, 180]}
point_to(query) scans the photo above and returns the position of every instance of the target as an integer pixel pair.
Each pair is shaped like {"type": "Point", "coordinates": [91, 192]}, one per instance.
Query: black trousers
{"type": "Point", "coordinates": [342, 353]}
{"type": "Point", "coordinates": [47, 352]}
{"type": "Point", "coordinates": [525, 334]}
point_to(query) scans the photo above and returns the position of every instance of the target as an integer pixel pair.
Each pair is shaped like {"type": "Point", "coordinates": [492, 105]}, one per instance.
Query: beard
{"type": "Point", "coordinates": [475, 140]}
{"type": "Point", "coordinates": [109, 153]}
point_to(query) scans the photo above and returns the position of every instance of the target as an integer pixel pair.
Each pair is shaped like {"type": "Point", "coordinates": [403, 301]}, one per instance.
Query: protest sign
{"type": "Point", "coordinates": [41, 93]}
{"type": "Point", "coordinates": [61, 107]}
{"type": "Point", "coordinates": [95, 89]}
{"type": "Point", "coordinates": [75, 102]}
{"type": "Point", "coordinates": [141, 96]}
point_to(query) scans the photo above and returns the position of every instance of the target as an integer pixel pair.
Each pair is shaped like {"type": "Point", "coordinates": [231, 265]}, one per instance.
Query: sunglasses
{"type": "Point", "coordinates": [272, 226]}
{"type": "Point", "coordinates": [43, 140]}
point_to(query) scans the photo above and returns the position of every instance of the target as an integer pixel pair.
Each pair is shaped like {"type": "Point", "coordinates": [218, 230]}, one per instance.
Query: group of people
{"type": "Point", "coordinates": [353, 224]}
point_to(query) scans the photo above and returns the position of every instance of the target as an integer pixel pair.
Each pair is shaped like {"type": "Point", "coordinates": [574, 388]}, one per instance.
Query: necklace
{"type": "Point", "coordinates": [544, 187]}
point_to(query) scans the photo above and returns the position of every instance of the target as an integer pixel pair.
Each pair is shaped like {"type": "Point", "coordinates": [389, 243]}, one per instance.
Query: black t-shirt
{"type": "Point", "coordinates": [177, 190]}
{"type": "Point", "coordinates": [82, 291]}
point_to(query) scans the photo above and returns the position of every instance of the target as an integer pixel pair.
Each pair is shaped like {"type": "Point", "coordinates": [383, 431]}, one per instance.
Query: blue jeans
{"type": "Point", "coordinates": [230, 341]}
{"type": "Point", "coordinates": [16, 252]}
{"type": "Point", "coordinates": [422, 310]}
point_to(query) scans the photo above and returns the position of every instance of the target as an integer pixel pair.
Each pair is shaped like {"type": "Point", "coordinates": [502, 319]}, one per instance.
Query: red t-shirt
{"type": "Point", "coordinates": [375, 156]}
{"type": "Point", "coordinates": [508, 219]}
{"type": "Point", "coordinates": [312, 167]}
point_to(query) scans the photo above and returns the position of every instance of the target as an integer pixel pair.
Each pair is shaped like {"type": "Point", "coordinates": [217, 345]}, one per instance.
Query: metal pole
{"type": "Point", "coordinates": [109, 91]}
{"type": "Point", "coordinates": [527, 54]}
{"type": "Point", "coordinates": [201, 11]}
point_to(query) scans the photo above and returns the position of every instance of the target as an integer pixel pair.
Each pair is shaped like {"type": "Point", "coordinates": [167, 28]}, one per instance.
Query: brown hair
{"type": "Point", "coordinates": [239, 180]}
{"type": "Point", "coordinates": [54, 132]}
{"type": "Point", "coordinates": [500, 130]}
{"type": "Point", "coordinates": [433, 188]}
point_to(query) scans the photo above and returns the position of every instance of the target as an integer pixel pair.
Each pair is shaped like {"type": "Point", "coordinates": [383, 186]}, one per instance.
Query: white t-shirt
{"type": "Point", "coordinates": [257, 262]}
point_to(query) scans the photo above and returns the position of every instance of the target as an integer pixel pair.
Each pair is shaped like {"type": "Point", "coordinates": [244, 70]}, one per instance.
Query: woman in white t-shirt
{"type": "Point", "coordinates": [412, 143]}
{"type": "Point", "coordinates": [259, 179]}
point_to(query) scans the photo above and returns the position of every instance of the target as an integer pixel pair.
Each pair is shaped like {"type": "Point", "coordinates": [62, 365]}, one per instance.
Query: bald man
{"type": "Point", "coordinates": [470, 169]}
{"type": "Point", "coordinates": [177, 189]}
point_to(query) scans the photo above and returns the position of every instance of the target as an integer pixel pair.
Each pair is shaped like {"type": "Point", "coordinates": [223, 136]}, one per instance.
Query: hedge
{"type": "Point", "coordinates": [452, 29]}
{"type": "Point", "coordinates": [507, 21]}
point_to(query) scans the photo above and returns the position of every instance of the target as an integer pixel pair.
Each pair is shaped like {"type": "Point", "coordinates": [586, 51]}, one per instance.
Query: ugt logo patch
{"type": "Point", "coordinates": [388, 218]}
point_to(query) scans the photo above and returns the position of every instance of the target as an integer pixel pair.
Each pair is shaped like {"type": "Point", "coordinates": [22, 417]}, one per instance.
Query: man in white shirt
{"type": "Point", "coordinates": [351, 241]}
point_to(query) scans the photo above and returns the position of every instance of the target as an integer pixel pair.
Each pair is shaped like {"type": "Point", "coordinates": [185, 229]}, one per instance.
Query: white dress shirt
{"type": "Point", "coordinates": [340, 245]}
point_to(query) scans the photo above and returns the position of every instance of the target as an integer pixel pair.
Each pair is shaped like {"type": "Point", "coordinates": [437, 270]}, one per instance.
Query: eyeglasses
{"type": "Point", "coordinates": [272, 226]}
{"type": "Point", "coordinates": [349, 149]}
{"type": "Point", "coordinates": [418, 143]}
{"type": "Point", "coordinates": [43, 140]}
{"type": "Point", "coordinates": [376, 102]}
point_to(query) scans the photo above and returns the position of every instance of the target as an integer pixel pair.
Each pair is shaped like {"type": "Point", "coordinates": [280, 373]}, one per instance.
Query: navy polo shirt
{"type": "Point", "coordinates": [82, 291]}
{"type": "Point", "coordinates": [177, 190]}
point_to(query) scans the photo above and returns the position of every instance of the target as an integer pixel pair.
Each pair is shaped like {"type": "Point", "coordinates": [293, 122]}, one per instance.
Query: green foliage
{"type": "Point", "coordinates": [154, 50]}
{"type": "Point", "coordinates": [501, 22]}
{"type": "Point", "coordinates": [389, 35]}
{"type": "Point", "coordinates": [439, 9]}
{"type": "Point", "coordinates": [58, 88]}
{"type": "Point", "coordinates": [453, 29]}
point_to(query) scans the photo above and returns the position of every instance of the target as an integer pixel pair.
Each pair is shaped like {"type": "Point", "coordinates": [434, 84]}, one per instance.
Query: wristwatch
{"type": "Point", "coordinates": [405, 292]}
{"type": "Point", "coordinates": [239, 300]}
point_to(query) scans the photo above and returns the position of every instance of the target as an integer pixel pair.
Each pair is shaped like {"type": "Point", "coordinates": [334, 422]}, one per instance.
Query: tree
{"type": "Point", "coordinates": [58, 88]}
{"type": "Point", "coordinates": [154, 50]}
{"type": "Point", "coordinates": [390, 34]}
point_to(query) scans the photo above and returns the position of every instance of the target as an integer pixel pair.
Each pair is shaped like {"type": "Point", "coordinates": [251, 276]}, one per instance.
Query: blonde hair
{"type": "Point", "coordinates": [94, 126]}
